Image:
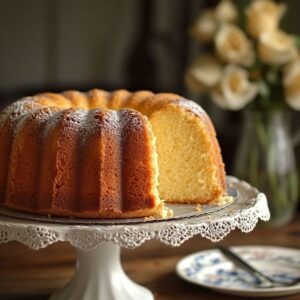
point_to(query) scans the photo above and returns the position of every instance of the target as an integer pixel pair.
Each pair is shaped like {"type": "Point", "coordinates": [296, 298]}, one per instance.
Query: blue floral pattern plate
{"type": "Point", "coordinates": [212, 270]}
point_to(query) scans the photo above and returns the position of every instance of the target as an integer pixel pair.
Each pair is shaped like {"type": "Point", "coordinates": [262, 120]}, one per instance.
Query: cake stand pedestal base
{"type": "Point", "coordinates": [99, 275]}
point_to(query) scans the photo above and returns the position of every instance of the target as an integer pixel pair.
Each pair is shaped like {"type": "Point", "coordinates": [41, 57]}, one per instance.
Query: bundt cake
{"type": "Point", "coordinates": [107, 155]}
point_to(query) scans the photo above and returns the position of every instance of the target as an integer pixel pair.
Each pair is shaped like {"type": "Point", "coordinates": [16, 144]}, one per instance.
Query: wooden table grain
{"type": "Point", "coordinates": [30, 274]}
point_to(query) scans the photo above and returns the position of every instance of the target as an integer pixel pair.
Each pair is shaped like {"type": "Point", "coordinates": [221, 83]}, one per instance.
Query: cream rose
{"type": "Point", "coordinates": [205, 27]}
{"type": "Point", "coordinates": [203, 73]}
{"type": "Point", "coordinates": [233, 46]}
{"type": "Point", "coordinates": [226, 11]}
{"type": "Point", "coordinates": [263, 15]}
{"type": "Point", "coordinates": [291, 84]}
{"type": "Point", "coordinates": [276, 47]}
{"type": "Point", "coordinates": [235, 90]}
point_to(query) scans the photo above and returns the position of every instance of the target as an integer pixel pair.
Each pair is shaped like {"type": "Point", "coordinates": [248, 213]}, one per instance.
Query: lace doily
{"type": "Point", "coordinates": [244, 213]}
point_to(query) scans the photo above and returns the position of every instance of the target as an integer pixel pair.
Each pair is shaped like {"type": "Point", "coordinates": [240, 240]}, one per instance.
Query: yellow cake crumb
{"type": "Point", "coordinates": [199, 208]}
{"type": "Point", "coordinates": [223, 200]}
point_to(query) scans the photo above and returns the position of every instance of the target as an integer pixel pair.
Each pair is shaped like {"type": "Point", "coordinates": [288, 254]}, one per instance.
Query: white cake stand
{"type": "Point", "coordinates": [99, 274]}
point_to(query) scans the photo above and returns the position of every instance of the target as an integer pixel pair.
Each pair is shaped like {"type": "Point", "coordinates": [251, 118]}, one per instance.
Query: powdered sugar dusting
{"type": "Point", "coordinates": [113, 119]}
{"type": "Point", "coordinates": [15, 114]}
{"type": "Point", "coordinates": [71, 116]}
{"type": "Point", "coordinates": [192, 106]}
{"type": "Point", "coordinates": [42, 114]}
{"type": "Point", "coordinates": [89, 123]}
{"type": "Point", "coordinates": [132, 118]}
{"type": "Point", "coordinates": [18, 109]}
{"type": "Point", "coordinates": [52, 123]}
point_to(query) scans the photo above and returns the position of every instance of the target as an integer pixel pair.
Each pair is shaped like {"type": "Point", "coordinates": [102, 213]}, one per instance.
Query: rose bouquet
{"type": "Point", "coordinates": [250, 62]}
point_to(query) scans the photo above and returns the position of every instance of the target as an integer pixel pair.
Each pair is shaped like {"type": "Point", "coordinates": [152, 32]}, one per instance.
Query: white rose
{"type": "Point", "coordinates": [276, 47]}
{"type": "Point", "coordinates": [204, 73]}
{"type": "Point", "coordinates": [291, 84]}
{"type": "Point", "coordinates": [235, 90]}
{"type": "Point", "coordinates": [233, 46]}
{"type": "Point", "coordinates": [263, 15]}
{"type": "Point", "coordinates": [226, 11]}
{"type": "Point", "coordinates": [205, 27]}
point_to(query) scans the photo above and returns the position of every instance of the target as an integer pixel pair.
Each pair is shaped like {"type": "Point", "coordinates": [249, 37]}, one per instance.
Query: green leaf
{"type": "Point", "coordinates": [297, 41]}
{"type": "Point", "coordinates": [264, 89]}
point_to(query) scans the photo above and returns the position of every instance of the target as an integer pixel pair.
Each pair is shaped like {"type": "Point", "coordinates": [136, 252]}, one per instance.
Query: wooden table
{"type": "Point", "coordinates": [29, 274]}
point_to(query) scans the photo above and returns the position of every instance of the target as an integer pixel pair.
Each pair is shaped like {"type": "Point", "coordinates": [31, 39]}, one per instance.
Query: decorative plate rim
{"type": "Point", "coordinates": [244, 290]}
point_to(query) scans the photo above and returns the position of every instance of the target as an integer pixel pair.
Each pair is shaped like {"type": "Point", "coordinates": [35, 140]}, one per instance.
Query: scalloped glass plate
{"type": "Point", "coordinates": [240, 195]}
{"type": "Point", "coordinates": [212, 222]}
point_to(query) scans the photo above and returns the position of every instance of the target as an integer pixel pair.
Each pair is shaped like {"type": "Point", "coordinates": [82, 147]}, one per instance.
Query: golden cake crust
{"type": "Point", "coordinates": [87, 154]}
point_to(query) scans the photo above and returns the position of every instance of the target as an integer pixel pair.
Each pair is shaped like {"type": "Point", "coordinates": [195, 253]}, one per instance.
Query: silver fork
{"type": "Point", "coordinates": [264, 281]}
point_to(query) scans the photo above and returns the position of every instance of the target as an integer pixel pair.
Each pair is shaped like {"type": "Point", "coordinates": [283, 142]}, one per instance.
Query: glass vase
{"type": "Point", "coordinates": [266, 159]}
